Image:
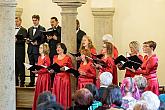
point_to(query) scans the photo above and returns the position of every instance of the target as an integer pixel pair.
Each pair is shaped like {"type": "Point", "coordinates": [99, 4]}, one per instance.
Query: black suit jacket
{"type": "Point", "coordinates": [38, 36]}
{"type": "Point", "coordinates": [80, 35]}
{"type": "Point", "coordinates": [52, 43]}
{"type": "Point", "coordinates": [20, 45]}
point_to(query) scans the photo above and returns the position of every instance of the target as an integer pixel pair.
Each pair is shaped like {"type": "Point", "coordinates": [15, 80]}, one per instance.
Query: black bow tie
{"type": "Point", "coordinates": [34, 27]}
{"type": "Point", "coordinates": [16, 28]}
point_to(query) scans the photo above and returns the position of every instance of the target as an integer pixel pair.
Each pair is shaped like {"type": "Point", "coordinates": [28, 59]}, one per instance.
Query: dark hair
{"type": "Point", "coordinates": [55, 18]}
{"type": "Point", "coordinates": [45, 96]}
{"type": "Point", "coordinates": [151, 44]}
{"type": "Point", "coordinates": [36, 16]}
{"type": "Point", "coordinates": [104, 97]}
{"type": "Point", "coordinates": [115, 95]}
{"type": "Point", "coordinates": [19, 18]}
{"type": "Point", "coordinates": [63, 47]}
{"type": "Point", "coordinates": [83, 97]}
{"type": "Point", "coordinates": [93, 89]}
{"type": "Point", "coordinates": [49, 105]}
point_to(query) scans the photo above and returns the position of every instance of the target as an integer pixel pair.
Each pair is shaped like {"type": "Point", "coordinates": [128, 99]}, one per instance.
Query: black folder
{"type": "Point", "coordinates": [34, 67]}
{"type": "Point", "coordinates": [75, 54]}
{"type": "Point", "coordinates": [98, 56]}
{"type": "Point", "coordinates": [51, 32]}
{"type": "Point", "coordinates": [100, 62]}
{"type": "Point", "coordinates": [129, 62]}
{"type": "Point", "coordinates": [57, 67]}
{"type": "Point", "coordinates": [19, 37]}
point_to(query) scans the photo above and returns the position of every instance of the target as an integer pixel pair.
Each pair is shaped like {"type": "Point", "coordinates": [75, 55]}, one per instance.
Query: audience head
{"type": "Point", "coordinates": [149, 46]}
{"type": "Point", "coordinates": [61, 48]}
{"type": "Point", "coordinates": [86, 43]}
{"type": "Point", "coordinates": [84, 54]}
{"type": "Point", "coordinates": [141, 105]}
{"type": "Point", "coordinates": [93, 89]}
{"type": "Point", "coordinates": [162, 101]}
{"type": "Point", "coordinates": [36, 19]}
{"type": "Point", "coordinates": [83, 97]}
{"type": "Point", "coordinates": [54, 22]}
{"type": "Point", "coordinates": [129, 86]}
{"type": "Point", "coordinates": [49, 105]}
{"type": "Point", "coordinates": [151, 99]}
{"type": "Point", "coordinates": [18, 21]}
{"type": "Point", "coordinates": [106, 79]}
{"type": "Point", "coordinates": [45, 96]}
{"type": "Point", "coordinates": [107, 38]}
{"type": "Point", "coordinates": [44, 49]}
{"type": "Point", "coordinates": [115, 95]}
{"type": "Point", "coordinates": [134, 47]}
{"type": "Point", "coordinates": [77, 24]}
{"type": "Point", "coordinates": [107, 48]}
{"type": "Point", "coordinates": [141, 82]}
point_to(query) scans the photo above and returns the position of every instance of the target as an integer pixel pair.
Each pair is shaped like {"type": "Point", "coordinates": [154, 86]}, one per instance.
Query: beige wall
{"type": "Point", "coordinates": [139, 20]}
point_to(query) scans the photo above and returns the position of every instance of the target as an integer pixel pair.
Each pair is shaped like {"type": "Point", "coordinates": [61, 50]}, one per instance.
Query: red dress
{"type": "Point", "coordinates": [61, 84]}
{"type": "Point", "coordinates": [110, 66]}
{"type": "Point", "coordinates": [89, 77]}
{"type": "Point", "coordinates": [43, 79]}
{"type": "Point", "coordinates": [148, 70]}
{"type": "Point", "coordinates": [130, 73]}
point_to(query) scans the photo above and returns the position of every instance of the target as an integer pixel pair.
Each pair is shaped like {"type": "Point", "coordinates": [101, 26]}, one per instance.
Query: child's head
{"type": "Point", "coordinates": [44, 49]}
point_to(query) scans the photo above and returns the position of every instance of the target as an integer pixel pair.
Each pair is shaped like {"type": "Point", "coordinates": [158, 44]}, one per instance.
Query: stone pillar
{"type": "Point", "coordinates": [69, 15]}
{"type": "Point", "coordinates": [18, 12]}
{"type": "Point", "coordinates": [7, 55]}
{"type": "Point", "coordinates": [103, 24]}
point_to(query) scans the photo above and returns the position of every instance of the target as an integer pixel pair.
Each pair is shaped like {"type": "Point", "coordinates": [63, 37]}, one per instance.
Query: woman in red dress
{"type": "Point", "coordinates": [86, 69]}
{"type": "Point", "coordinates": [61, 84]}
{"type": "Point", "coordinates": [134, 48]}
{"type": "Point", "coordinates": [149, 67]}
{"type": "Point", "coordinates": [86, 43]}
{"type": "Point", "coordinates": [43, 79]}
{"type": "Point", "coordinates": [107, 51]}
{"type": "Point", "coordinates": [108, 38]}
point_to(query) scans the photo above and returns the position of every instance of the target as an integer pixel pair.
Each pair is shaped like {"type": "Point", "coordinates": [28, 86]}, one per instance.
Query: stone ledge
{"type": "Point", "coordinates": [103, 11]}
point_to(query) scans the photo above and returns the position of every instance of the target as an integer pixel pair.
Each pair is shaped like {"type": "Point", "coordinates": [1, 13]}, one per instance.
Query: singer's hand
{"type": "Point", "coordinates": [49, 37]}
{"type": "Point", "coordinates": [120, 66]}
{"type": "Point", "coordinates": [55, 37]}
{"type": "Point", "coordinates": [62, 69]}
{"type": "Point", "coordinates": [78, 58]}
{"type": "Point", "coordinates": [51, 71]}
{"type": "Point", "coordinates": [35, 71]}
{"type": "Point", "coordinates": [131, 69]}
{"type": "Point", "coordinates": [98, 66]}
{"type": "Point", "coordinates": [82, 73]}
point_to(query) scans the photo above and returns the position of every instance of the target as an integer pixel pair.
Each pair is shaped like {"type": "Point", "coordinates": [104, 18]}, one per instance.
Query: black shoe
{"type": "Point", "coordinates": [30, 85]}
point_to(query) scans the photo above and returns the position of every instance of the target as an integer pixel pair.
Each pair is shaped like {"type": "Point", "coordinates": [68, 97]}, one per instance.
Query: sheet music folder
{"type": "Point", "coordinates": [132, 61]}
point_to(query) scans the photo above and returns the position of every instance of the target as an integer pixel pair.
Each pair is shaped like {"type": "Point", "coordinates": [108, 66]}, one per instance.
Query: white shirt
{"type": "Point", "coordinates": [16, 30]}
{"type": "Point", "coordinates": [34, 29]}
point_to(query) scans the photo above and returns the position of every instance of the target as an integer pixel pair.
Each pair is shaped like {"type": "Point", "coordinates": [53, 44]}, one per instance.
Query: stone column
{"type": "Point", "coordinates": [19, 11]}
{"type": "Point", "coordinates": [7, 55]}
{"type": "Point", "coordinates": [69, 15]}
{"type": "Point", "coordinates": [103, 24]}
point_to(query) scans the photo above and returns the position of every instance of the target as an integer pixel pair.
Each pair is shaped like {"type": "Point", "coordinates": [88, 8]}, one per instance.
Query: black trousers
{"type": "Point", "coordinates": [33, 59]}
{"type": "Point", "coordinates": [19, 71]}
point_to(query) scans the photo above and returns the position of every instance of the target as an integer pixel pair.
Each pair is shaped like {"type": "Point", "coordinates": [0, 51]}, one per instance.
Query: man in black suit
{"type": "Point", "coordinates": [20, 52]}
{"type": "Point", "coordinates": [80, 34]}
{"type": "Point", "coordinates": [35, 38]}
{"type": "Point", "coordinates": [54, 40]}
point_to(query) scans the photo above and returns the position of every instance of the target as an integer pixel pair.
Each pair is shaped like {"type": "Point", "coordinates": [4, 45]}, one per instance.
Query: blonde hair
{"type": "Point", "coordinates": [90, 45]}
{"type": "Point", "coordinates": [135, 45]}
{"type": "Point", "coordinates": [45, 48]}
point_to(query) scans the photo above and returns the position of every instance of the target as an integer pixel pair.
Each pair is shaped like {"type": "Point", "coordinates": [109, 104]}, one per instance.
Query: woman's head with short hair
{"type": "Point", "coordinates": [151, 99]}
{"type": "Point", "coordinates": [151, 44]}
{"type": "Point", "coordinates": [44, 48]}
{"type": "Point", "coordinates": [83, 97]}
{"type": "Point", "coordinates": [106, 79]}
{"type": "Point", "coordinates": [141, 105]}
{"type": "Point", "coordinates": [134, 47]}
{"type": "Point", "coordinates": [141, 82]}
